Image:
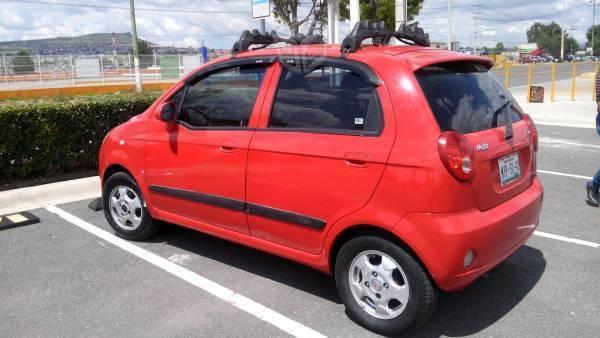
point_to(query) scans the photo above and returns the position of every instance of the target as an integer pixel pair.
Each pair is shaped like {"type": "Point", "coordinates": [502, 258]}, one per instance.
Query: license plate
{"type": "Point", "coordinates": [510, 170]}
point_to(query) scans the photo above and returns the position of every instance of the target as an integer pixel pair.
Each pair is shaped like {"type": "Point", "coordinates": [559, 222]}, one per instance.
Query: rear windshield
{"type": "Point", "coordinates": [466, 97]}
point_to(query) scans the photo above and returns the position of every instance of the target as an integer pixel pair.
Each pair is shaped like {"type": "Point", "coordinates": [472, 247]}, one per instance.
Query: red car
{"type": "Point", "coordinates": [400, 170]}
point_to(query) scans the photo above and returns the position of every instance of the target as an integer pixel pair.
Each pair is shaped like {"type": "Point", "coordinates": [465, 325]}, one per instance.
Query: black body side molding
{"type": "Point", "coordinates": [236, 205]}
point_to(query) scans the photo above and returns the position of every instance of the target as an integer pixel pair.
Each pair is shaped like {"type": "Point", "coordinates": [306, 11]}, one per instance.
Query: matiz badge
{"type": "Point", "coordinates": [482, 147]}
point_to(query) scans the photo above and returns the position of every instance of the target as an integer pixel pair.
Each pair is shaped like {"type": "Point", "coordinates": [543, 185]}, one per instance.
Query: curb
{"type": "Point", "coordinates": [40, 196]}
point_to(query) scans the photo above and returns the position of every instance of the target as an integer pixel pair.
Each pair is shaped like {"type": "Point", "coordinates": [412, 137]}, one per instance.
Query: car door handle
{"type": "Point", "coordinates": [356, 163]}
{"type": "Point", "coordinates": [227, 149]}
{"type": "Point", "coordinates": [357, 160]}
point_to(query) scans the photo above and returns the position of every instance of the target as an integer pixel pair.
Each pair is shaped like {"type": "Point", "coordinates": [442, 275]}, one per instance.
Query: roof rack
{"type": "Point", "coordinates": [255, 37]}
{"type": "Point", "coordinates": [410, 34]}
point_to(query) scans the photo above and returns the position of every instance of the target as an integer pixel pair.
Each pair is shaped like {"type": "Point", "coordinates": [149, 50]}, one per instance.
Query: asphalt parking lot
{"type": "Point", "coordinates": [60, 278]}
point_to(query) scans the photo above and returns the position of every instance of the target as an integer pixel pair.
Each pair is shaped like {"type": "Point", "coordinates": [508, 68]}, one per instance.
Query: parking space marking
{"type": "Point", "coordinates": [566, 239]}
{"type": "Point", "coordinates": [563, 174]}
{"type": "Point", "coordinates": [570, 125]}
{"type": "Point", "coordinates": [241, 302]}
{"type": "Point", "coordinates": [549, 140]}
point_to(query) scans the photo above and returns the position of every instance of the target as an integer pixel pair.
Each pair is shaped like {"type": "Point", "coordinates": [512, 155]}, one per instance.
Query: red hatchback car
{"type": "Point", "coordinates": [401, 170]}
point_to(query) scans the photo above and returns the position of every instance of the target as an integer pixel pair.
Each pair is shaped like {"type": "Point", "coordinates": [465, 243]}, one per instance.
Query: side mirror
{"type": "Point", "coordinates": [167, 112]}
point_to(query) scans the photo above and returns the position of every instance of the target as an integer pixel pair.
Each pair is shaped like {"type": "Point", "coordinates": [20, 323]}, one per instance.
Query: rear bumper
{"type": "Point", "coordinates": [442, 240]}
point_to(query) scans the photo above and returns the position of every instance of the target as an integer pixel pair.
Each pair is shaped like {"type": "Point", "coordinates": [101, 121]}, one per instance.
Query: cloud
{"type": "Point", "coordinates": [220, 30]}
{"type": "Point", "coordinates": [504, 20]}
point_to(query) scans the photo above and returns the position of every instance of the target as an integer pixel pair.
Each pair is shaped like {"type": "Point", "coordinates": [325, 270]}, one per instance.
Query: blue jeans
{"type": "Point", "coordinates": [596, 180]}
{"type": "Point", "coordinates": [598, 122]}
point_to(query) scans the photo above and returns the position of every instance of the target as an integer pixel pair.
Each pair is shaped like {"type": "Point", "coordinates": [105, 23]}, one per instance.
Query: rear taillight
{"type": "Point", "coordinates": [533, 133]}
{"type": "Point", "coordinates": [457, 155]}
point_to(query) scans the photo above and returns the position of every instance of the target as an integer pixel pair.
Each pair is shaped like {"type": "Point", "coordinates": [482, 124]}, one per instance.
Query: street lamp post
{"type": "Point", "coordinates": [449, 24]}
{"type": "Point", "coordinates": [562, 33]}
{"type": "Point", "coordinates": [136, 56]}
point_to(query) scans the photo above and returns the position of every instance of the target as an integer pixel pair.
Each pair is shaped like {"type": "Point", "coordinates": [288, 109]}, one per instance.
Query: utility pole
{"type": "Point", "coordinates": [449, 24]}
{"type": "Point", "coordinates": [476, 13]}
{"type": "Point", "coordinates": [354, 13]}
{"type": "Point", "coordinates": [401, 13]}
{"type": "Point", "coordinates": [114, 44]}
{"type": "Point", "coordinates": [562, 33]}
{"type": "Point", "coordinates": [136, 56]}
{"type": "Point", "coordinates": [5, 70]}
{"type": "Point", "coordinates": [262, 26]}
{"type": "Point", "coordinates": [593, 24]}
{"type": "Point", "coordinates": [333, 21]}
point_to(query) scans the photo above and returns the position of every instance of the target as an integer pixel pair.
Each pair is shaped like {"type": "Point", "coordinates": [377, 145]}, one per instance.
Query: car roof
{"type": "Point", "coordinates": [417, 56]}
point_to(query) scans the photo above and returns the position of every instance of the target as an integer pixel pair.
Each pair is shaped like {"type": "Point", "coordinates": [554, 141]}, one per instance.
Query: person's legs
{"type": "Point", "coordinates": [596, 180]}
{"type": "Point", "coordinates": [593, 190]}
{"type": "Point", "coordinates": [593, 186]}
{"type": "Point", "coordinates": [598, 120]}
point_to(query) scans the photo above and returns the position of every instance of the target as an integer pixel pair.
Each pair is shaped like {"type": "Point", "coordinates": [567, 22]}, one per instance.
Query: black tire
{"type": "Point", "coordinates": [146, 228]}
{"type": "Point", "coordinates": [421, 300]}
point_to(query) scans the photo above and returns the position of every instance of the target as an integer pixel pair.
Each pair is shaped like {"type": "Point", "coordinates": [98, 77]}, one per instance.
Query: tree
{"type": "Point", "coordinates": [23, 63]}
{"type": "Point", "coordinates": [499, 48]}
{"type": "Point", "coordinates": [286, 12]}
{"type": "Point", "coordinates": [588, 35]}
{"type": "Point", "coordinates": [547, 36]}
{"type": "Point", "coordinates": [144, 48]}
{"type": "Point", "coordinates": [571, 45]}
{"type": "Point", "coordinates": [382, 10]}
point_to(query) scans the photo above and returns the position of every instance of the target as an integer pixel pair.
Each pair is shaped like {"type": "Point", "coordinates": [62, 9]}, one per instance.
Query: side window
{"type": "Point", "coordinates": [222, 99]}
{"type": "Point", "coordinates": [325, 98]}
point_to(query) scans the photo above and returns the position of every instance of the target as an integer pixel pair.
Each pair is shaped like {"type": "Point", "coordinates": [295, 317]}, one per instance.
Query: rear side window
{"type": "Point", "coordinates": [466, 97]}
{"type": "Point", "coordinates": [222, 99]}
{"type": "Point", "coordinates": [326, 99]}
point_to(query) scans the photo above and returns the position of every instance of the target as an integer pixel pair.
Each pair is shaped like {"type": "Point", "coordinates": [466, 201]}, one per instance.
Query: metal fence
{"type": "Point", "coordinates": [42, 71]}
{"type": "Point", "coordinates": [560, 80]}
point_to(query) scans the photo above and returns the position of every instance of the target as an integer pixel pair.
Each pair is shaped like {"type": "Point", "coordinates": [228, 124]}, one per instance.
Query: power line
{"type": "Point", "coordinates": [67, 4]}
{"type": "Point", "coordinates": [445, 8]}
{"type": "Point", "coordinates": [532, 18]}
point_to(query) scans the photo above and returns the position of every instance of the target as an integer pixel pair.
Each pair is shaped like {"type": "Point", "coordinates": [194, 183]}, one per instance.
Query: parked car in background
{"type": "Point", "coordinates": [526, 59]}
{"type": "Point", "coordinates": [363, 163]}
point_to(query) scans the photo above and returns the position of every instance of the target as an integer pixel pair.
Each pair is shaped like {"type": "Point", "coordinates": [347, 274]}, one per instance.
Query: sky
{"type": "Point", "coordinates": [218, 23]}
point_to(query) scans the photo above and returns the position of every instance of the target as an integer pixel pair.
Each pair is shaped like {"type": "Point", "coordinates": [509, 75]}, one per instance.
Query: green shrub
{"type": "Point", "coordinates": [46, 139]}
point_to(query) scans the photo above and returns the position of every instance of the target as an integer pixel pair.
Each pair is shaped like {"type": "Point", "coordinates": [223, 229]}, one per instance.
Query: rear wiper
{"type": "Point", "coordinates": [508, 134]}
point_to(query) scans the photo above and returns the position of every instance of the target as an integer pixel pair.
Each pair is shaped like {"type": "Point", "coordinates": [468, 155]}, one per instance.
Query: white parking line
{"type": "Point", "coordinates": [570, 125]}
{"type": "Point", "coordinates": [566, 239]}
{"type": "Point", "coordinates": [563, 174]}
{"type": "Point", "coordinates": [549, 140]}
{"type": "Point", "coordinates": [241, 302]}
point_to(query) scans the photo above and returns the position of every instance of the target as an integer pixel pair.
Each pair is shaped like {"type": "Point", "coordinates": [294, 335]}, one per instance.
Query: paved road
{"type": "Point", "coordinates": [59, 280]}
{"type": "Point", "coordinates": [542, 73]}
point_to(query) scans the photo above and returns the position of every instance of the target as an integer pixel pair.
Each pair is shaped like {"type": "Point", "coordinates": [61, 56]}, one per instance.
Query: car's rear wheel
{"type": "Point", "coordinates": [125, 208]}
{"type": "Point", "coordinates": [383, 287]}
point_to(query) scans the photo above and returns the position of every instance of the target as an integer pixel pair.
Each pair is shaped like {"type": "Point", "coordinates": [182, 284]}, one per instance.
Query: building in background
{"type": "Point", "coordinates": [444, 45]}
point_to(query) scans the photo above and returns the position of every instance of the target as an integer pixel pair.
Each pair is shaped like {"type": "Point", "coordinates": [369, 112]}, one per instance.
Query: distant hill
{"type": "Point", "coordinates": [97, 43]}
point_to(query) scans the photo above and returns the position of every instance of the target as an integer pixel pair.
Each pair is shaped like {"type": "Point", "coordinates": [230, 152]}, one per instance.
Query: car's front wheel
{"type": "Point", "coordinates": [383, 287]}
{"type": "Point", "coordinates": [125, 208]}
